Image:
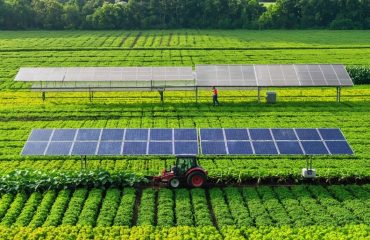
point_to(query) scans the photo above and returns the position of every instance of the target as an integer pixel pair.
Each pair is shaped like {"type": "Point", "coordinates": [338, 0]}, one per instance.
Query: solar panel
{"type": "Point", "coordinates": [264, 75]}
{"type": "Point", "coordinates": [289, 147]}
{"type": "Point", "coordinates": [59, 148]}
{"type": "Point", "coordinates": [136, 134]}
{"type": "Point", "coordinates": [88, 134]}
{"type": "Point", "coordinates": [110, 148]}
{"type": "Point", "coordinates": [236, 134]}
{"type": "Point", "coordinates": [186, 148]}
{"type": "Point", "coordinates": [217, 141]}
{"type": "Point", "coordinates": [34, 148]}
{"type": "Point", "coordinates": [84, 148]}
{"type": "Point", "coordinates": [338, 147]}
{"type": "Point", "coordinates": [307, 134]}
{"type": "Point", "coordinates": [64, 135]}
{"type": "Point", "coordinates": [112, 134]}
{"type": "Point", "coordinates": [331, 134]}
{"type": "Point", "coordinates": [161, 134]}
{"type": "Point", "coordinates": [314, 147]}
{"type": "Point", "coordinates": [284, 134]}
{"type": "Point", "coordinates": [161, 148]}
{"type": "Point", "coordinates": [75, 74]}
{"type": "Point", "coordinates": [213, 148]}
{"type": "Point", "coordinates": [264, 147]}
{"type": "Point", "coordinates": [186, 134]}
{"type": "Point", "coordinates": [239, 147]}
{"type": "Point", "coordinates": [212, 134]}
{"type": "Point", "coordinates": [134, 148]}
{"type": "Point", "coordinates": [260, 134]}
{"type": "Point", "coordinates": [40, 135]}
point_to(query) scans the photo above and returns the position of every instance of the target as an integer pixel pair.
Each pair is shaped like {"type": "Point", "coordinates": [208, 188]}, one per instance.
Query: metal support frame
{"type": "Point", "coordinates": [196, 94]}
{"type": "Point", "coordinates": [259, 94]}
{"type": "Point", "coordinates": [338, 93]}
{"type": "Point", "coordinates": [83, 162]}
{"type": "Point", "coordinates": [91, 95]}
{"type": "Point", "coordinates": [161, 94]}
{"type": "Point", "coordinates": [309, 164]}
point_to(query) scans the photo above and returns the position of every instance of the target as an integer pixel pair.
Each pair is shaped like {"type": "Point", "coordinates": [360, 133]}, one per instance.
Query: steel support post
{"type": "Point", "coordinates": [196, 94]}
{"type": "Point", "coordinates": [338, 93]}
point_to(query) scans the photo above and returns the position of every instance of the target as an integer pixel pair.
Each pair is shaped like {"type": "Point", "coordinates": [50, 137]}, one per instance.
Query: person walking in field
{"type": "Point", "coordinates": [215, 97]}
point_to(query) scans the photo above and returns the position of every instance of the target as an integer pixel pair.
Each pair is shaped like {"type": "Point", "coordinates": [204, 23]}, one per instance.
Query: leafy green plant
{"type": "Point", "coordinates": [36, 180]}
{"type": "Point", "coordinates": [74, 207]}
{"type": "Point", "coordinates": [183, 209]}
{"type": "Point", "coordinates": [201, 212]}
{"type": "Point", "coordinates": [5, 202]}
{"type": "Point", "coordinates": [90, 210]}
{"type": "Point", "coordinates": [29, 209]}
{"type": "Point", "coordinates": [146, 209]}
{"type": "Point", "coordinates": [359, 74]}
{"type": "Point", "coordinates": [237, 207]}
{"type": "Point", "coordinates": [125, 210]}
{"type": "Point", "coordinates": [43, 209]}
{"type": "Point", "coordinates": [165, 214]}
{"type": "Point", "coordinates": [109, 207]}
{"type": "Point", "coordinates": [14, 209]}
{"type": "Point", "coordinates": [57, 210]}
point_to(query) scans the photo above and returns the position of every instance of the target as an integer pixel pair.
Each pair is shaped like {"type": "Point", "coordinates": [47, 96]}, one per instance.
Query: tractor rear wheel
{"type": "Point", "coordinates": [174, 182]}
{"type": "Point", "coordinates": [196, 179]}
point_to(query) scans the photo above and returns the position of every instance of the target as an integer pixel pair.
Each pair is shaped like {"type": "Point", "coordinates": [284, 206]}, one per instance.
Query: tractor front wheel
{"type": "Point", "coordinates": [174, 182]}
{"type": "Point", "coordinates": [196, 179]}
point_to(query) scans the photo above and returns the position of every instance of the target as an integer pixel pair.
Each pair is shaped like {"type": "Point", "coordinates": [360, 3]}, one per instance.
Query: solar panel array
{"type": "Point", "coordinates": [272, 75]}
{"type": "Point", "coordinates": [105, 74]}
{"type": "Point", "coordinates": [262, 141]}
{"type": "Point", "coordinates": [112, 142]}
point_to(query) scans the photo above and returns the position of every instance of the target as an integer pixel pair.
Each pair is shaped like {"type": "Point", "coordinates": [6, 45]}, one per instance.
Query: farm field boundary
{"type": "Point", "coordinates": [263, 206]}
{"type": "Point", "coordinates": [211, 233]}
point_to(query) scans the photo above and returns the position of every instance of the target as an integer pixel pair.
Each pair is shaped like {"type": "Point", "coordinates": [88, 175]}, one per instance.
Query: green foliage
{"type": "Point", "coordinates": [58, 209]}
{"type": "Point", "coordinates": [185, 232]}
{"type": "Point", "coordinates": [220, 208]}
{"type": "Point", "coordinates": [183, 209]}
{"type": "Point", "coordinates": [27, 180]}
{"type": "Point", "coordinates": [201, 212]}
{"type": "Point", "coordinates": [146, 209]}
{"type": "Point", "coordinates": [43, 209]}
{"type": "Point", "coordinates": [14, 209]}
{"type": "Point", "coordinates": [109, 207]}
{"type": "Point", "coordinates": [28, 210]}
{"type": "Point", "coordinates": [165, 208]}
{"type": "Point", "coordinates": [90, 210]}
{"type": "Point", "coordinates": [256, 208]}
{"type": "Point", "coordinates": [74, 207]}
{"type": "Point", "coordinates": [5, 202]}
{"type": "Point", "coordinates": [125, 210]}
{"type": "Point", "coordinates": [359, 74]}
{"type": "Point", "coordinates": [237, 207]}
{"type": "Point", "coordinates": [136, 14]}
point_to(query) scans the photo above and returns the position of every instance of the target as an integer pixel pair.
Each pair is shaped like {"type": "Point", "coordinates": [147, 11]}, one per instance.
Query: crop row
{"type": "Point", "coordinates": [294, 206]}
{"type": "Point", "coordinates": [181, 38]}
{"type": "Point", "coordinates": [186, 232]}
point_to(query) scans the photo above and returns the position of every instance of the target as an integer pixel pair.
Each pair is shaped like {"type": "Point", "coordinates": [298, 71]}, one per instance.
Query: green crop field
{"type": "Point", "coordinates": [244, 210]}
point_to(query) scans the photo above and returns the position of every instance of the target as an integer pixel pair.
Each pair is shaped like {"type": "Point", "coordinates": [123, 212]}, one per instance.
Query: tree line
{"type": "Point", "coordinates": [167, 14]}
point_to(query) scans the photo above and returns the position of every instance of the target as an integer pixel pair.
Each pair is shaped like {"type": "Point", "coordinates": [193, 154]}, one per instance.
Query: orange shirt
{"type": "Point", "coordinates": [215, 92]}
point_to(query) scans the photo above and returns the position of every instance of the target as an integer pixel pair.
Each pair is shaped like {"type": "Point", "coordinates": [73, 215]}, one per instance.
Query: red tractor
{"type": "Point", "coordinates": [185, 171]}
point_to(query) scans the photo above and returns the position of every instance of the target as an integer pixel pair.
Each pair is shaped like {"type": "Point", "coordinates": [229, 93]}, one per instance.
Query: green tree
{"type": "Point", "coordinates": [48, 14]}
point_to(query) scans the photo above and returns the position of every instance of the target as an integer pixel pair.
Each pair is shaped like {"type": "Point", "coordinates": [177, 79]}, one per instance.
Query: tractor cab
{"type": "Point", "coordinates": [185, 171]}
